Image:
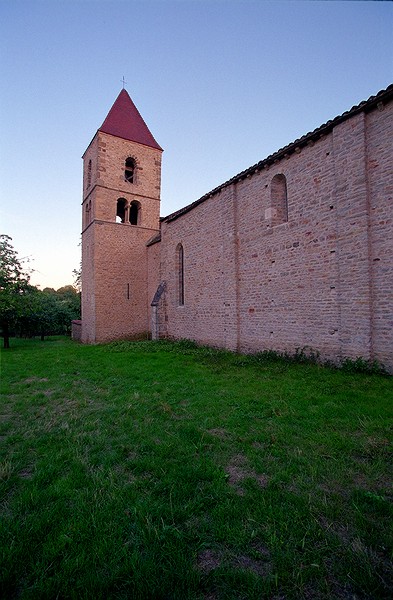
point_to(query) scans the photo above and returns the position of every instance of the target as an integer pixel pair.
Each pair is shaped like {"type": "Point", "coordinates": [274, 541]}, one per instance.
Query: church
{"type": "Point", "coordinates": [293, 253]}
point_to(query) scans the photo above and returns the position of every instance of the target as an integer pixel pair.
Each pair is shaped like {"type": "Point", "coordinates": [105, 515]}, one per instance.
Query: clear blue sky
{"type": "Point", "coordinates": [220, 83]}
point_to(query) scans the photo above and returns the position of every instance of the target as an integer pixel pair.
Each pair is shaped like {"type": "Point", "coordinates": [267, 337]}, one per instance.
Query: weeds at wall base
{"type": "Point", "coordinates": [309, 356]}
{"type": "Point", "coordinates": [360, 365]}
{"type": "Point", "coordinates": [305, 355]}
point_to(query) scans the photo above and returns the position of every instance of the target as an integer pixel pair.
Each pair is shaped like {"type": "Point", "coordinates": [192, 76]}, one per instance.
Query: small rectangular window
{"type": "Point", "coordinates": [180, 267]}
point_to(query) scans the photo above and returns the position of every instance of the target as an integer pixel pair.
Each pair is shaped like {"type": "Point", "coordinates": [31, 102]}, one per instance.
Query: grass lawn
{"type": "Point", "coordinates": [162, 471]}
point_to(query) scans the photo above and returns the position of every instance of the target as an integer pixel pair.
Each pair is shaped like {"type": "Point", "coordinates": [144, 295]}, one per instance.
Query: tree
{"type": "Point", "coordinates": [69, 307]}
{"type": "Point", "coordinates": [14, 284]}
{"type": "Point", "coordinates": [40, 314]}
{"type": "Point", "coordinates": [77, 273]}
{"type": "Point", "coordinates": [25, 309]}
{"type": "Point", "coordinates": [49, 312]}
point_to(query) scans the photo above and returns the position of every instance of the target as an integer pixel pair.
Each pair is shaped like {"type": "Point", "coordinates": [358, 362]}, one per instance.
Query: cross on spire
{"type": "Point", "coordinates": [123, 82]}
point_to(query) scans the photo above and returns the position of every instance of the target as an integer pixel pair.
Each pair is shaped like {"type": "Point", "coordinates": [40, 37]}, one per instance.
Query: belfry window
{"type": "Point", "coordinates": [129, 172]}
{"type": "Point", "coordinates": [279, 200]}
{"type": "Point", "coordinates": [135, 213]}
{"type": "Point", "coordinates": [88, 213]}
{"type": "Point", "coordinates": [121, 210]}
{"type": "Point", "coordinates": [89, 174]}
{"type": "Point", "coordinates": [180, 274]}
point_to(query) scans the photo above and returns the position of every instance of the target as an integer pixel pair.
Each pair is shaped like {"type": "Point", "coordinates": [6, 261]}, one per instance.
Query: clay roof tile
{"type": "Point", "coordinates": [125, 121]}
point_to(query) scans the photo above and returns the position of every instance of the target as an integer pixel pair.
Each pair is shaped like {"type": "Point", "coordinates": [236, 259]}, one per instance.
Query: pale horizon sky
{"type": "Point", "coordinates": [221, 85]}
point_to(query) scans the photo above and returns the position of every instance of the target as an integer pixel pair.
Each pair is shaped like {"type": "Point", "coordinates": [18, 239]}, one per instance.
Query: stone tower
{"type": "Point", "coordinates": [121, 212]}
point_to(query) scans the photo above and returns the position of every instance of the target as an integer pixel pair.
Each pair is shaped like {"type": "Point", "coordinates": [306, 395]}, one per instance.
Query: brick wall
{"type": "Point", "coordinates": [379, 136]}
{"type": "Point", "coordinates": [322, 279]}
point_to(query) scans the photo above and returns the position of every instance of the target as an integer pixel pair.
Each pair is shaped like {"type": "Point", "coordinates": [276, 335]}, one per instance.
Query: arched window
{"type": "Point", "coordinates": [135, 213]}
{"type": "Point", "coordinates": [279, 201]}
{"type": "Point", "coordinates": [87, 213]}
{"type": "Point", "coordinates": [180, 274]}
{"type": "Point", "coordinates": [89, 174]}
{"type": "Point", "coordinates": [129, 172]}
{"type": "Point", "coordinates": [121, 210]}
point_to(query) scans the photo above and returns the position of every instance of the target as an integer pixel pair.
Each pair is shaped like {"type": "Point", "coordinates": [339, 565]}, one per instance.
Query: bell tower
{"type": "Point", "coordinates": [120, 213]}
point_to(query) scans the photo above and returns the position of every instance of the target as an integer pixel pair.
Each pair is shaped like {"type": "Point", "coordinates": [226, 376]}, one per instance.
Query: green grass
{"type": "Point", "coordinates": [162, 471]}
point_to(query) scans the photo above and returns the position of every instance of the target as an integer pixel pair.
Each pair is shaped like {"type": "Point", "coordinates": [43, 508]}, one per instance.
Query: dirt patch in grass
{"type": "Point", "coordinates": [134, 455]}
{"type": "Point", "coordinates": [208, 560]}
{"type": "Point", "coordinates": [259, 445]}
{"type": "Point", "coordinates": [5, 417]}
{"type": "Point", "coordinates": [238, 470]}
{"type": "Point", "coordinates": [26, 473]}
{"type": "Point", "coordinates": [341, 591]}
{"type": "Point", "coordinates": [259, 567]}
{"type": "Point", "coordinates": [262, 479]}
{"type": "Point", "coordinates": [36, 380]}
{"type": "Point", "coordinates": [219, 432]}
{"type": "Point", "coordinates": [342, 532]}
{"type": "Point", "coordinates": [177, 417]}
{"type": "Point", "coordinates": [261, 549]}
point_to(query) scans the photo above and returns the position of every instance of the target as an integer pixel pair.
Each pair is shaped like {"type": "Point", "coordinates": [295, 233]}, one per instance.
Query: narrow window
{"type": "Point", "coordinates": [121, 210]}
{"type": "Point", "coordinates": [129, 172]}
{"type": "Point", "coordinates": [135, 213]}
{"type": "Point", "coordinates": [89, 174]}
{"type": "Point", "coordinates": [279, 201]}
{"type": "Point", "coordinates": [180, 274]}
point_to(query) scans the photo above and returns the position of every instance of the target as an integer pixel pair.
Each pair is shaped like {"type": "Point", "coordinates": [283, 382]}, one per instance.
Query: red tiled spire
{"type": "Point", "coordinates": [124, 121]}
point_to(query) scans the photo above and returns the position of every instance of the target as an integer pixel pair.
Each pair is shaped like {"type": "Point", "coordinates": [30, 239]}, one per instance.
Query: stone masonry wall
{"type": "Point", "coordinates": [153, 278]}
{"type": "Point", "coordinates": [115, 301]}
{"type": "Point", "coordinates": [121, 281]}
{"type": "Point", "coordinates": [379, 137]}
{"type": "Point", "coordinates": [207, 236]}
{"type": "Point", "coordinates": [322, 279]}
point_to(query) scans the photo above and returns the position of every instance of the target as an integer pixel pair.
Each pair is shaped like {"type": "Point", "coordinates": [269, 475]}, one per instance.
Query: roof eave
{"type": "Point", "coordinates": [365, 106]}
